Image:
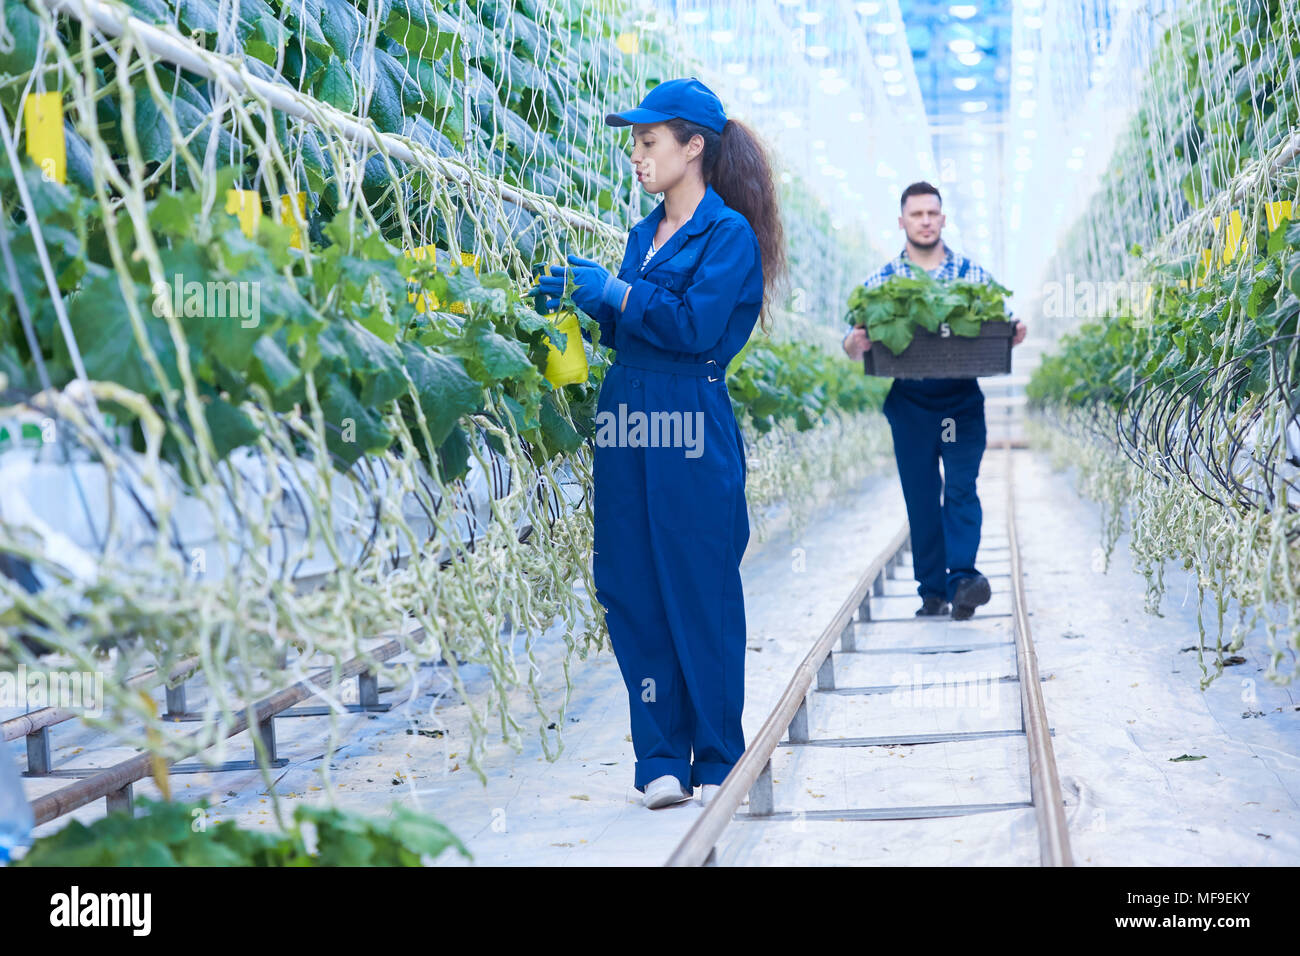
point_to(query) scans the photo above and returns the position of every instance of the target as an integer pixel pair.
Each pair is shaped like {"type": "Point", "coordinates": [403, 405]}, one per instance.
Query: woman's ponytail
{"type": "Point", "coordinates": [735, 163]}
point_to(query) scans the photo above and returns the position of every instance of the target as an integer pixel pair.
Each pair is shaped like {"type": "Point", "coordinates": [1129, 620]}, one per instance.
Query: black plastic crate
{"type": "Point", "coordinates": [934, 355]}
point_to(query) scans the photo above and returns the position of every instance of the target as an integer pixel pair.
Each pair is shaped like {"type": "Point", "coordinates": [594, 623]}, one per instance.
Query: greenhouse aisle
{"type": "Point", "coordinates": [1121, 695]}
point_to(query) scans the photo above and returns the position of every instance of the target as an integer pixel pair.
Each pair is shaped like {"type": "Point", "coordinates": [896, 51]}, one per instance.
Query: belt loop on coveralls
{"type": "Point", "coordinates": [703, 370]}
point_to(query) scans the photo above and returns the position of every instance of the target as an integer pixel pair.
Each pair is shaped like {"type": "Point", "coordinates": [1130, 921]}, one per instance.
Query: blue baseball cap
{"type": "Point", "coordinates": [687, 99]}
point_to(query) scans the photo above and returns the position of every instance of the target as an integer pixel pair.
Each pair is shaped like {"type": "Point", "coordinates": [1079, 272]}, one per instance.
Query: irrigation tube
{"type": "Point", "coordinates": [186, 54]}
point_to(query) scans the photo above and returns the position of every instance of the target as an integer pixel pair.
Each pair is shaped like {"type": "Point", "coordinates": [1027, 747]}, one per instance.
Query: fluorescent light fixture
{"type": "Point", "coordinates": [1077, 151]}
{"type": "Point", "coordinates": [819, 52]}
{"type": "Point", "coordinates": [1074, 162]}
{"type": "Point", "coordinates": [1027, 56]}
{"type": "Point", "coordinates": [963, 11]}
{"type": "Point", "coordinates": [1024, 86]}
{"type": "Point", "coordinates": [892, 76]}
{"type": "Point", "coordinates": [867, 9]}
{"type": "Point", "coordinates": [886, 29]}
{"type": "Point", "coordinates": [969, 59]}
{"type": "Point", "coordinates": [1023, 164]}
{"type": "Point", "coordinates": [749, 83]}
{"type": "Point", "coordinates": [762, 96]}
{"type": "Point", "coordinates": [829, 73]}
{"type": "Point", "coordinates": [810, 17]}
{"type": "Point", "coordinates": [974, 106]}
{"type": "Point", "coordinates": [721, 37]}
{"type": "Point", "coordinates": [736, 69]}
{"type": "Point", "coordinates": [1025, 69]}
{"type": "Point", "coordinates": [896, 89]}
{"type": "Point", "coordinates": [1033, 23]}
{"type": "Point", "coordinates": [977, 157]}
{"type": "Point", "coordinates": [694, 17]}
{"type": "Point", "coordinates": [965, 83]}
{"type": "Point", "coordinates": [961, 46]}
{"type": "Point", "coordinates": [886, 60]}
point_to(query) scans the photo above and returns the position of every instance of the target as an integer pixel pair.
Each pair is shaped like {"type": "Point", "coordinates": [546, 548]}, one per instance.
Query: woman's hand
{"type": "Point", "coordinates": [553, 288]}
{"type": "Point", "coordinates": [593, 286]}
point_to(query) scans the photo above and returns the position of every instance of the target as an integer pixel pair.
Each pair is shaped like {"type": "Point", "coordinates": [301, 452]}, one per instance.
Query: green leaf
{"type": "Point", "coordinates": [197, 15]}
{"type": "Point", "coordinates": [559, 435]}
{"type": "Point", "coordinates": [337, 85]}
{"type": "Point", "coordinates": [24, 27]}
{"type": "Point", "coordinates": [229, 426]}
{"type": "Point", "coordinates": [445, 389]}
{"type": "Point", "coordinates": [352, 428]}
{"type": "Point", "coordinates": [154, 132]}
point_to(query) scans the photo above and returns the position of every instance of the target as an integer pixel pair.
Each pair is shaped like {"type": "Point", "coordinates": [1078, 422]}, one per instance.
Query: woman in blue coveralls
{"type": "Point", "coordinates": [669, 499]}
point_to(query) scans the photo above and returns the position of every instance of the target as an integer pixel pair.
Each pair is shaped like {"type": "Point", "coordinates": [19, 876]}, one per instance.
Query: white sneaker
{"type": "Point", "coordinates": [708, 791]}
{"type": "Point", "coordinates": [664, 791]}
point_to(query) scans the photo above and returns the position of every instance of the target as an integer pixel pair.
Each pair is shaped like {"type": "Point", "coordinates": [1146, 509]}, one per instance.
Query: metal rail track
{"type": "Point", "coordinates": [114, 784]}
{"type": "Point", "coordinates": [752, 774]}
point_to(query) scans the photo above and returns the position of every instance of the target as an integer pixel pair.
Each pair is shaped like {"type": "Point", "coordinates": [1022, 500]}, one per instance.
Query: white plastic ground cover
{"type": "Point", "coordinates": [1129, 801]}
{"type": "Point", "coordinates": [65, 504]}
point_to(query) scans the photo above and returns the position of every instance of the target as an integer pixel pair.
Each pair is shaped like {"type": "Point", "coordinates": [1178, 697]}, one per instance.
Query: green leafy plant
{"type": "Point", "coordinates": [772, 382]}
{"type": "Point", "coordinates": [892, 312]}
{"type": "Point", "coordinates": [177, 834]}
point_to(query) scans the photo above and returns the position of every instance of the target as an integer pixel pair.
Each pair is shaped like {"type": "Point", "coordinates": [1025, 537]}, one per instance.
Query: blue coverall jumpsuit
{"type": "Point", "coordinates": [670, 530]}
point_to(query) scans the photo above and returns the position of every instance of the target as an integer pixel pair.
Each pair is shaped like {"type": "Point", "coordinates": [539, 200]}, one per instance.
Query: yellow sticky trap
{"type": "Point", "coordinates": [466, 259]}
{"type": "Point", "coordinates": [1276, 212]}
{"type": "Point", "coordinates": [1235, 231]}
{"type": "Point", "coordinates": [629, 43]}
{"type": "Point", "coordinates": [247, 205]}
{"type": "Point", "coordinates": [424, 301]}
{"type": "Point", "coordinates": [299, 238]}
{"type": "Point", "coordinates": [43, 119]}
{"type": "Point", "coordinates": [1203, 273]}
{"type": "Point", "coordinates": [570, 366]}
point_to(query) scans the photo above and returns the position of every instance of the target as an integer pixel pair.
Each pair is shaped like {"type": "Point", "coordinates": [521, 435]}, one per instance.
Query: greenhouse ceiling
{"type": "Point", "coordinates": [862, 98]}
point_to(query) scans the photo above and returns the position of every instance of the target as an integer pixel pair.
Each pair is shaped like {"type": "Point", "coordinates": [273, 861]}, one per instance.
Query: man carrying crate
{"type": "Point", "coordinates": [935, 419]}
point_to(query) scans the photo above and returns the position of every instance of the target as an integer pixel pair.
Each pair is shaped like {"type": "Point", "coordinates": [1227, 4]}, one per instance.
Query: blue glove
{"type": "Point", "coordinates": [552, 287]}
{"type": "Point", "coordinates": [595, 285]}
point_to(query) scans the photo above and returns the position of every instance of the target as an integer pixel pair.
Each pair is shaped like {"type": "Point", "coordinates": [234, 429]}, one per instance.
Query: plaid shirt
{"type": "Point", "coordinates": [953, 267]}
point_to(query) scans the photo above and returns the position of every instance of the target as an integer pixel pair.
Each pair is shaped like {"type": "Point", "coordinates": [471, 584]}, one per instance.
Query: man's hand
{"type": "Point", "coordinates": [1019, 335]}
{"type": "Point", "coordinates": [857, 344]}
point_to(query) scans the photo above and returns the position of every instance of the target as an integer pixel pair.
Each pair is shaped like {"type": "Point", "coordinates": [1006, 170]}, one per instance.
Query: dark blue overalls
{"type": "Point", "coordinates": [671, 527]}
{"type": "Point", "coordinates": [922, 413]}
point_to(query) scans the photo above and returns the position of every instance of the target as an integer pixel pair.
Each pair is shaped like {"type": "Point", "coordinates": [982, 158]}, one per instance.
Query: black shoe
{"type": "Point", "coordinates": [933, 606]}
{"type": "Point", "coordinates": [970, 594]}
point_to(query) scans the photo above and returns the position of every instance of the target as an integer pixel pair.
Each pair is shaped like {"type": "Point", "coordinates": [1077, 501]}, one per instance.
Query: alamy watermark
{"type": "Point", "coordinates": [74, 690]}
{"type": "Point", "coordinates": [653, 430]}
{"type": "Point", "coordinates": [929, 690]}
{"type": "Point", "coordinates": [217, 300]}
{"type": "Point", "coordinates": [1085, 299]}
